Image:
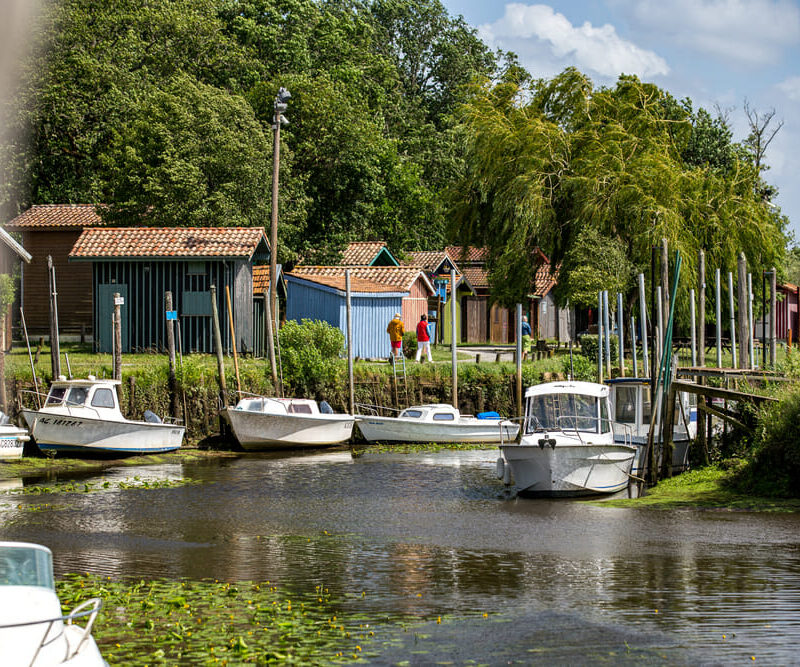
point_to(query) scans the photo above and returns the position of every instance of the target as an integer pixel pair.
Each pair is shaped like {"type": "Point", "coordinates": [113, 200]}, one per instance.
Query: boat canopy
{"type": "Point", "coordinates": [583, 388]}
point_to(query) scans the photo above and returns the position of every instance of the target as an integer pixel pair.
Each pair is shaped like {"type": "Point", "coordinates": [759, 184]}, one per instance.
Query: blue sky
{"type": "Point", "coordinates": [718, 53]}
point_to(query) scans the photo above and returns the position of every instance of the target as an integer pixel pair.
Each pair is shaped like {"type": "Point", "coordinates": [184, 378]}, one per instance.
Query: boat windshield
{"type": "Point", "coordinates": [25, 566]}
{"type": "Point", "coordinates": [414, 414]}
{"type": "Point", "coordinates": [77, 395]}
{"type": "Point", "coordinates": [565, 412]}
{"type": "Point", "coordinates": [56, 395]}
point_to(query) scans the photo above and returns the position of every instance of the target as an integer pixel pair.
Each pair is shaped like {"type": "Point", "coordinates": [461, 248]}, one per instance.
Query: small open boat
{"type": "Point", "coordinates": [261, 422]}
{"type": "Point", "coordinates": [83, 416]}
{"type": "Point", "coordinates": [436, 422]}
{"type": "Point", "coordinates": [12, 439]}
{"type": "Point", "coordinates": [33, 630]}
{"type": "Point", "coordinates": [568, 446]}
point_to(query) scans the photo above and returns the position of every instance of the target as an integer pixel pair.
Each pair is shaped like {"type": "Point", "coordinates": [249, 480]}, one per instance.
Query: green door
{"type": "Point", "coordinates": [105, 309]}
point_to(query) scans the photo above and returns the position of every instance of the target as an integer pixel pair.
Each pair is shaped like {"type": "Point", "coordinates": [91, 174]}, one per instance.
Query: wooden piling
{"type": "Point", "coordinates": [117, 336]}
{"type": "Point", "coordinates": [233, 339]}
{"type": "Point", "coordinates": [171, 380]}
{"type": "Point", "coordinates": [773, 304]}
{"type": "Point", "coordinates": [701, 321]}
{"type": "Point", "coordinates": [55, 351]}
{"type": "Point", "coordinates": [742, 319]}
{"type": "Point", "coordinates": [223, 388]}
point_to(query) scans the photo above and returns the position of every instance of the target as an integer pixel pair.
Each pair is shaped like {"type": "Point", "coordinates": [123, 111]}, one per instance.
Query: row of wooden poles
{"type": "Point", "coordinates": [740, 319]}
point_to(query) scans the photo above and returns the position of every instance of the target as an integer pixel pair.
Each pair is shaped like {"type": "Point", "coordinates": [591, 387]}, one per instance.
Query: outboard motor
{"type": "Point", "coordinates": [151, 417]}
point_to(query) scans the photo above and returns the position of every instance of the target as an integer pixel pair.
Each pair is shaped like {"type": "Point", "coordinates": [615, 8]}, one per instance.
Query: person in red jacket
{"type": "Point", "coordinates": [423, 338]}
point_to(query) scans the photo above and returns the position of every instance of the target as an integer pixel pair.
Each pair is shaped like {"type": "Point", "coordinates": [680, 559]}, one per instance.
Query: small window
{"type": "Point", "coordinates": [444, 417]}
{"type": "Point", "coordinates": [103, 398]}
{"type": "Point", "coordinates": [196, 268]}
{"type": "Point", "coordinates": [300, 408]}
{"type": "Point", "coordinates": [77, 396]}
{"type": "Point", "coordinates": [56, 395]}
{"type": "Point", "coordinates": [415, 414]}
{"type": "Point", "coordinates": [625, 404]}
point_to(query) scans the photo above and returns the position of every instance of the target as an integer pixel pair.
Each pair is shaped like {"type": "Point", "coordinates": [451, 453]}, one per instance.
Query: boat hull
{"type": "Point", "coordinates": [12, 442]}
{"type": "Point", "coordinates": [395, 429]}
{"type": "Point", "coordinates": [569, 470]}
{"type": "Point", "coordinates": [86, 435]}
{"type": "Point", "coordinates": [259, 431]}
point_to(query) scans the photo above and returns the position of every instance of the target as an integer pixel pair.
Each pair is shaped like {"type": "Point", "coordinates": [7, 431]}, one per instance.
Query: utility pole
{"type": "Point", "coordinates": [278, 119]}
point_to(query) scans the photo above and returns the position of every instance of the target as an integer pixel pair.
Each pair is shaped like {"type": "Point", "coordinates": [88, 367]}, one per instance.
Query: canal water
{"type": "Point", "coordinates": [445, 562]}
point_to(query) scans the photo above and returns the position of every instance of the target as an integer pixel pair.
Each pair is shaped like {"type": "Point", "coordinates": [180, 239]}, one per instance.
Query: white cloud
{"type": "Point", "coordinates": [791, 88]}
{"type": "Point", "coordinates": [748, 31]}
{"type": "Point", "coordinates": [546, 42]}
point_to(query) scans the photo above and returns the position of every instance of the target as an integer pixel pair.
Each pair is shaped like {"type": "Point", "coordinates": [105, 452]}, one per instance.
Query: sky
{"type": "Point", "coordinates": [718, 53]}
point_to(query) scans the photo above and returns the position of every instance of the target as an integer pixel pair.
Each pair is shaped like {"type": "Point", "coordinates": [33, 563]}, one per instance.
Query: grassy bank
{"type": "Point", "coordinates": [711, 488]}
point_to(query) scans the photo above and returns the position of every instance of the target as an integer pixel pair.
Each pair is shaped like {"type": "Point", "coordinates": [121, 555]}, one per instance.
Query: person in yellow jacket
{"type": "Point", "coordinates": [396, 331]}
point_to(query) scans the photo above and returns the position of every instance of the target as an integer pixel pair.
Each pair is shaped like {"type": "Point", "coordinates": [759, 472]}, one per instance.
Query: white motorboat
{"type": "Point", "coordinates": [260, 422]}
{"type": "Point", "coordinates": [12, 439]}
{"type": "Point", "coordinates": [33, 630]}
{"type": "Point", "coordinates": [436, 422]}
{"type": "Point", "coordinates": [632, 410]}
{"type": "Point", "coordinates": [83, 416]}
{"type": "Point", "coordinates": [568, 446]}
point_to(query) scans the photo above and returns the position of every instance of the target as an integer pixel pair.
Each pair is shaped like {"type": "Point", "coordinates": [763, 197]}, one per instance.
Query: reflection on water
{"type": "Point", "coordinates": [436, 534]}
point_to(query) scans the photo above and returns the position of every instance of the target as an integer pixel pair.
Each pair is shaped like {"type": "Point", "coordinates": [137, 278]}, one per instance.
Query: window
{"type": "Point", "coordinates": [625, 404]}
{"type": "Point", "coordinates": [443, 417]}
{"type": "Point", "coordinates": [300, 408]}
{"type": "Point", "coordinates": [416, 414]}
{"type": "Point", "coordinates": [77, 395]}
{"type": "Point", "coordinates": [56, 395]}
{"type": "Point", "coordinates": [554, 412]}
{"type": "Point", "coordinates": [103, 398]}
{"type": "Point", "coordinates": [196, 268]}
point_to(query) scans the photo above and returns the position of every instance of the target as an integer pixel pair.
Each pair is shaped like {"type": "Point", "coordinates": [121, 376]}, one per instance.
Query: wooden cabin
{"type": "Point", "coordinates": [142, 263]}
{"type": "Point", "coordinates": [261, 283]}
{"type": "Point", "coordinates": [786, 314]}
{"type": "Point", "coordinates": [12, 254]}
{"type": "Point", "coordinates": [53, 229]}
{"type": "Point", "coordinates": [317, 296]}
{"type": "Point", "coordinates": [368, 253]}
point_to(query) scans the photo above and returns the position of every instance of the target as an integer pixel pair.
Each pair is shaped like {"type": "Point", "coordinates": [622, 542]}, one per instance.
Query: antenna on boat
{"type": "Point", "coordinates": [571, 369]}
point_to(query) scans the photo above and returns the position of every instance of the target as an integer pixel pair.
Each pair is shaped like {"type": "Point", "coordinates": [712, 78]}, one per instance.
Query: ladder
{"type": "Point", "coordinates": [395, 375]}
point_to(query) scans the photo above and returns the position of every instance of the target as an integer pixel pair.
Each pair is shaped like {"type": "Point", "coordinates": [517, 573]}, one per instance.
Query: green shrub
{"type": "Point", "coordinates": [410, 344]}
{"type": "Point", "coordinates": [583, 368]}
{"type": "Point", "coordinates": [589, 347]}
{"type": "Point", "coordinates": [311, 356]}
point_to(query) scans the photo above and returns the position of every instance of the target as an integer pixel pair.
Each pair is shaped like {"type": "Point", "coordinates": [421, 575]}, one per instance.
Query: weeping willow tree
{"type": "Point", "coordinates": [603, 174]}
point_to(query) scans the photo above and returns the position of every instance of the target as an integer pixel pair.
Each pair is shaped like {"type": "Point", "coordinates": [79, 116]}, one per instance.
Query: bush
{"type": "Point", "coordinates": [311, 356]}
{"type": "Point", "coordinates": [410, 344]}
{"type": "Point", "coordinates": [583, 368]}
{"type": "Point", "coordinates": [589, 347]}
{"type": "Point", "coordinates": [773, 467]}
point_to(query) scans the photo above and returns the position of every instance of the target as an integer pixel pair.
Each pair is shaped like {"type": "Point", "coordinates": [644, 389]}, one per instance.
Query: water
{"type": "Point", "coordinates": [415, 537]}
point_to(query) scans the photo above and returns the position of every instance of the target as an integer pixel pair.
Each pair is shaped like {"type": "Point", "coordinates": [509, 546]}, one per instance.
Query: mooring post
{"type": "Point", "coordinates": [233, 339]}
{"type": "Point", "coordinates": [668, 448]}
{"type": "Point", "coordinates": [117, 336]}
{"type": "Point", "coordinates": [600, 336]}
{"type": "Point", "coordinates": [664, 283]}
{"type": "Point", "coordinates": [751, 329]}
{"type": "Point", "coordinates": [718, 313]}
{"type": "Point", "coordinates": [659, 352]}
{"type": "Point", "coordinates": [701, 328]}
{"type": "Point", "coordinates": [519, 359]}
{"type": "Point", "coordinates": [454, 333]}
{"type": "Point", "coordinates": [171, 382]}
{"type": "Point", "coordinates": [693, 326]}
{"type": "Point", "coordinates": [607, 329]}
{"type": "Point", "coordinates": [741, 320]}
{"type": "Point", "coordinates": [633, 348]}
{"type": "Point", "coordinates": [55, 351]}
{"type": "Point", "coordinates": [773, 303]}
{"type": "Point", "coordinates": [270, 340]}
{"type": "Point", "coordinates": [643, 317]}
{"type": "Point", "coordinates": [223, 388]}
{"type": "Point", "coordinates": [621, 337]}
{"type": "Point", "coordinates": [350, 384]}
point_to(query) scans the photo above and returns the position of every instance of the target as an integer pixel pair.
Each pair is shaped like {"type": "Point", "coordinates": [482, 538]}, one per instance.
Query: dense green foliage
{"type": "Point", "coordinates": [311, 357]}
{"type": "Point", "coordinates": [164, 112]}
{"type": "Point", "coordinates": [575, 170]}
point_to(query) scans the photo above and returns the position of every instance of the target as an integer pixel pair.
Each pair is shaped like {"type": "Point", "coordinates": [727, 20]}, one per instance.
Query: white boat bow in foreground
{"type": "Point", "coordinates": [567, 447]}
{"type": "Point", "coordinates": [33, 630]}
{"type": "Point", "coordinates": [12, 439]}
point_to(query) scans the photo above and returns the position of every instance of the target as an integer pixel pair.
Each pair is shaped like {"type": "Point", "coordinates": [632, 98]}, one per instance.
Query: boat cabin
{"type": "Point", "coordinates": [91, 397]}
{"type": "Point", "coordinates": [567, 406]}
{"type": "Point", "coordinates": [632, 406]}
{"type": "Point", "coordinates": [283, 406]}
{"type": "Point", "coordinates": [437, 412]}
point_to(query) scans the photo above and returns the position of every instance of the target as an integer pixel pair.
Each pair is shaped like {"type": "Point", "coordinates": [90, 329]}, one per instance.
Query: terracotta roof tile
{"type": "Point", "coordinates": [61, 216]}
{"type": "Point", "coordinates": [428, 259]}
{"type": "Point", "coordinates": [361, 252]}
{"type": "Point", "coordinates": [136, 242]}
{"type": "Point", "coordinates": [338, 282]}
{"type": "Point", "coordinates": [543, 280]}
{"type": "Point", "coordinates": [401, 278]}
{"type": "Point", "coordinates": [477, 276]}
{"type": "Point", "coordinates": [467, 255]}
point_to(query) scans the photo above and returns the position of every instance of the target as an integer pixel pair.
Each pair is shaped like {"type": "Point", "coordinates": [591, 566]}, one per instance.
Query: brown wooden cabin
{"type": "Point", "coordinates": [52, 229]}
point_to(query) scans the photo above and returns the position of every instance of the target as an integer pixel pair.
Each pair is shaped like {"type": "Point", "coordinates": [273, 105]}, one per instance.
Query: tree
{"type": "Point", "coordinates": [548, 161]}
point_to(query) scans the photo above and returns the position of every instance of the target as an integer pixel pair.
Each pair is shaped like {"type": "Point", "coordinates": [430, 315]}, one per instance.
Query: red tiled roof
{"type": "Point", "coordinates": [135, 242]}
{"type": "Point", "coordinates": [401, 278]}
{"type": "Point", "coordinates": [463, 255]}
{"type": "Point", "coordinates": [361, 252]}
{"type": "Point", "coordinates": [338, 282]}
{"type": "Point", "coordinates": [477, 276]}
{"type": "Point", "coordinates": [428, 259]}
{"type": "Point", "coordinates": [543, 280]}
{"type": "Point", "coordinates": [60, 216]}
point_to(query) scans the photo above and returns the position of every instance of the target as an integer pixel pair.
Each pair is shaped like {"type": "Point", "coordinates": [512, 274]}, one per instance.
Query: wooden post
{"type": "Point", "coordinates": [693, 325]}
{"type": "Point", "coordinates": [701, 425]}
{"type": "Point", "coordinates": [453, 334]}
{"type": "Point", "coordinates": [773, 303]}
{"type": "Point", "coordinates": [132, 396]}
{"type": "Point", "coordinates": [269, 336]}
{"type": "Point", "coordinates": [55, 350]}
{"type": "Point", "coordinates": [621, 335]}
{"type": "Point", "coordinates": [607, 328]}
{"type": "Point", "coordinates": [643, 316]}
{"type": "Point", "coordinates": [223, 388]}
{"type": "Point", "coordinates": [171, 381]}
{"type": "Point", "coordinates": [664, 286]}
{"type": "Point", "coordinates": [667, 443]}
{"type": "Point", "coordinates": [233, 338]}
{"type": "Point", "coordinates": [350, 383]}
{"type": "Point", "coordinates": [719, 317]}
{"type": "Point", "coordinates": [742, 319]}
{"type": "Point", "coordinates": [732, 321]}
{"type": "Point", "coordinates": [750, 328]}
{"type": "Point", "coordinates": [633, 348]}
{"type": "Point", "coordinates": [600, 336]}
{"type": "Point", "coordinates": [701, 323]}
{"type": "Point", "coordinates": [117, 336]}
{"type": "Point", "coordinates": [519, 359]}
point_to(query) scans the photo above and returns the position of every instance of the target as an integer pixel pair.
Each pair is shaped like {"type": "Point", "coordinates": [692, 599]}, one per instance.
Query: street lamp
{"type": "Point", "coordinates": [278, 119]}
